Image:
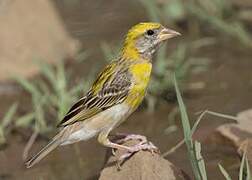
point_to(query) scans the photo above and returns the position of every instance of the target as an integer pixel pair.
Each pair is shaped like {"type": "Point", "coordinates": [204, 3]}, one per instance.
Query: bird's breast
{"type": "Point", "coordinates": [140, 78]}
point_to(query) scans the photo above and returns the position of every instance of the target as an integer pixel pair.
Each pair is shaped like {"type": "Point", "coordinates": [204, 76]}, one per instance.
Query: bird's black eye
{"type": "Point", "coordinates": [150, 32]}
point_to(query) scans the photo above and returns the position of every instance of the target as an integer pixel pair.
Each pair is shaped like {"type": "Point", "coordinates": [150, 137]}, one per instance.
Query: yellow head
{"type": "Point", "coordinates": [144, 39]}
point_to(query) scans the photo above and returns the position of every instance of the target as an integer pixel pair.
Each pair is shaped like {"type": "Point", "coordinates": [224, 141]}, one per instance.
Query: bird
{"type": "Point", "coordinates": [116, 93]}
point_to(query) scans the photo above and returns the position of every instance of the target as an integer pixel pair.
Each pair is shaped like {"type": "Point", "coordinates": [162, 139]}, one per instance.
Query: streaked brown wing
{"type": "Point", "coordinates": [114, 90]}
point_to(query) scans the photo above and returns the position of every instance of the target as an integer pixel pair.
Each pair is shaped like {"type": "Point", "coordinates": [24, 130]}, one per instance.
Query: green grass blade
{"type": "Point", "coordinates": [25, 121]}
{"type": "Point", "coordinates": [241, 171]}
{"type": "Point", "coordinates": [201, 162]}
{"type": "Point", "coordinates": [28, 86]}
{"type": "Point", "coordinates": [47, 71]}
{"type": "Point", "coordinates": [211, 113]}
{"type": "Point", "coordinates": [39, 113]}
{"type": "Point", "coordinates": [9, 115]}
{"type": "Point", "coordinates": [224, 172]}
{"type": "Point", "coordinates": [184, 117]}
{"type": "Point", "coordinates": [61, 77]}
{"type": "Point", "coordinates": [187, 132]}
{"type": "Point", "coordinates": [248, 170]}
{"type": "Point", "coordinates": [232, 29]}
{"type": "Point", "coordinates": [82, 56]}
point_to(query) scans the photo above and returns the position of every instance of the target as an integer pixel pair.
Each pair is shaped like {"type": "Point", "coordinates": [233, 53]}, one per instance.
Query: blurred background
{"type": "Point", "coordinates": [50, 52]}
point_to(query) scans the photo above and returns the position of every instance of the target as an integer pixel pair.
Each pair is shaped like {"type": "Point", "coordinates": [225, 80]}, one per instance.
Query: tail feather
{"type": "Point", "coordinates": [43, 152]}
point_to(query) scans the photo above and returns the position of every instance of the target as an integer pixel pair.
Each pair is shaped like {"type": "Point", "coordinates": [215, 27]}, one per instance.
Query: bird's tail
{"type": "Point", "coordinates": [43, 152]}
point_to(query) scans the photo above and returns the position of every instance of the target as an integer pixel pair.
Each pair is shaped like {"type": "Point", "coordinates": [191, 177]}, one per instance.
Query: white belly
{"type": "Point", "coordinates": [109, 118]}
{"type": "Point", "coordinates": [118, 112]}
{"type": "Point", "coordinates": [80, 135]}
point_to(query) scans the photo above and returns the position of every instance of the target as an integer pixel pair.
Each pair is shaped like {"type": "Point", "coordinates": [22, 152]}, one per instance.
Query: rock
{"type": "Point", "coordinates": [31, 30]}
{"type": "Point", "coordinates": [234, 133]}
{"type": "Point", "coordinates": [246, 147]}
{"type": "Point", "coordinates": [142, 165]}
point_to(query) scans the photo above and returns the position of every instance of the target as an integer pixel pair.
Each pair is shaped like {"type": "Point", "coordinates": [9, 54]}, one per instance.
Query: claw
{"type": "Point", "coordinates": [122, 159]}
{"type": "Point", "coordinates": [125, 156]}
{"type": "Point", "coordinates": [113, 151]}
{"type": "Point", "coordinates": [154, 148]}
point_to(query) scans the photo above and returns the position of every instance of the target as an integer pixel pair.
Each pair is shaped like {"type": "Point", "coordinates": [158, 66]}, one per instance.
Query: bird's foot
{"type": "Point", "coordinates": [123, 138]}
{"type": "Point", "coordinates": [128, 137]}
{"type": "Point", "coordinates": [140, 143]}
{"type": "Point", "coordinates": [148, 146]}
{"type": "Point", "coordinates": [143, 145]}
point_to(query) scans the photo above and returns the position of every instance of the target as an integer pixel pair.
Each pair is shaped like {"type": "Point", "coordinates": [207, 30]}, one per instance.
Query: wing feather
{"type": "Point", "coordinates": [110, 88]}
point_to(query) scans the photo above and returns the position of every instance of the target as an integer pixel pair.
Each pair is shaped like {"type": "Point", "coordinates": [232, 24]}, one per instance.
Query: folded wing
{"type": "Point", "coordinates": [110, 88]}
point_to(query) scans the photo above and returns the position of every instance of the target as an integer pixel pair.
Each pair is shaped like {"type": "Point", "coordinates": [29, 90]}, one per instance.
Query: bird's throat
{"type": "Point", "coordinates": [134, 54]}
{"type": "Point", "coordinates": [130, 52]}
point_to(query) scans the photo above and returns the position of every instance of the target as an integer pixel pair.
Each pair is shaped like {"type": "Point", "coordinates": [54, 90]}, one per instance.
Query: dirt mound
{"type": "Point", "coordinates": [142, 165]}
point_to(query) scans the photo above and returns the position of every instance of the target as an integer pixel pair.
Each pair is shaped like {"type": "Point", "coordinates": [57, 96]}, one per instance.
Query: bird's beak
{"type": "Point", "coordinates": [167, 34]}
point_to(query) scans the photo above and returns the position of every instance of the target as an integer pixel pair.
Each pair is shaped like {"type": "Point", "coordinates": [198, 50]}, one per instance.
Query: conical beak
{"type": "Point", "coordinates": [167, 34]}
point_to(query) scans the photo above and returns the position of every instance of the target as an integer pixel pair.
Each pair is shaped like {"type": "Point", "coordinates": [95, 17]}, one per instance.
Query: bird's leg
{"type": "Point", "coordinates": [103, 139]}
{"type": "Point", "coordinates": [143, 145]}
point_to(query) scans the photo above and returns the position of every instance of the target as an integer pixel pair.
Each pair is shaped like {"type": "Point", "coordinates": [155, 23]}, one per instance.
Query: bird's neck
{"type": "Point", "coordinates": [129, 51]}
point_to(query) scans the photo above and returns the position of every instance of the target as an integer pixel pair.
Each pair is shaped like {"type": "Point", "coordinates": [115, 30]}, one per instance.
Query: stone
{"type": "Point", "coordinates": [234, 133]}
{"type": "Point", "coordinates": [31, 30]}
{"type": "Point", "coordinates": [142, 165]}
{"type": "Point", "coordinates": [246, 147]}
